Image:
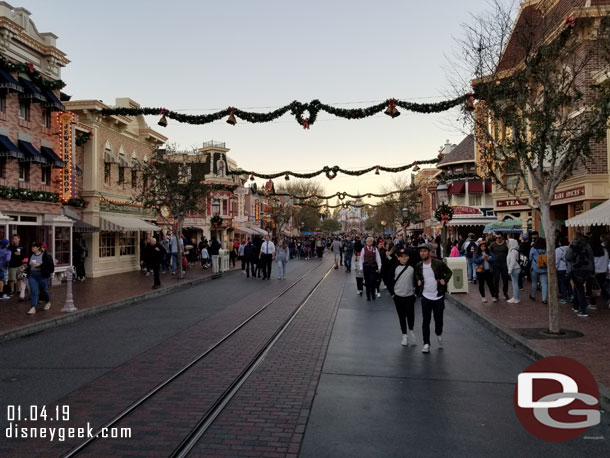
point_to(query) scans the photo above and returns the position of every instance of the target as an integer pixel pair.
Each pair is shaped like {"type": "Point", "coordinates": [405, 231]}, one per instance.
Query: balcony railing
{"type": "Point", "coordinates": [213, 144]}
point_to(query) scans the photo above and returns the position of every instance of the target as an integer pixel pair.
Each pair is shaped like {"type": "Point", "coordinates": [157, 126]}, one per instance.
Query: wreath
{"type": "Point", "coordinates": [443, 213]}
{"type": "Point", "coordinates": [216, 221]}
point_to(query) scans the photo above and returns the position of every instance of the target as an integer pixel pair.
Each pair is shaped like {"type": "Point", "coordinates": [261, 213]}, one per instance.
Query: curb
{"type": "Point", "coordinates": [67, 318]}
{"type": "Point", "coordinates": [512, 338]}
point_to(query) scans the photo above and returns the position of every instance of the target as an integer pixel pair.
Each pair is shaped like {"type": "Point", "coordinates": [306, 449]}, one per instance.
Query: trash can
{"type": "Point", "coordinates": [459, 280]}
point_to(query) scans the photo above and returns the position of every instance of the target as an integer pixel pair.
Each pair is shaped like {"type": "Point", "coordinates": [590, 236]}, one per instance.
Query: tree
{"type": "Point", "coordinates": [305, 218]}
{"type": "Point", "coordinates": [173, 185]}
{"type": "Point", "coordinates": [541, 114]}
{"type": "Point", "coordinates": [390, 209]}
{"type": "Point", "coordinates": [330, 225]}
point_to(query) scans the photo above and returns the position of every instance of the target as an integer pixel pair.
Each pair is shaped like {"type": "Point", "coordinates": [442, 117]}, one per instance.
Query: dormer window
{"type": "Point", "coordinates": [221, 168]}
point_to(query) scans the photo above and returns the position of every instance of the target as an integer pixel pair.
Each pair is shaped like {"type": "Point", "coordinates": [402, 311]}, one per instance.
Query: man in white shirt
{"type": "Point", "coordinates": [267, 255]}
{"type": "Point", "coordinates": [370, 265]}
{"type": "Point", "coordinates": [432, 277]}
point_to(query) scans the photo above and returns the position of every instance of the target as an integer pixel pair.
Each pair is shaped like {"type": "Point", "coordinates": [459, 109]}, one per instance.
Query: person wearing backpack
{"type": "Point", "coordinates": [539, 260]}
{"type": "Point", "coordinates": [470, 247]}
{"type": "Point", "coordinates": [561, 265]}
{"type": "Point", "coordinates": [483, 260]}
{"type": "Point", "coordinates": [579, 258]}
{"type": "Point", "coordinates": [39, 270]}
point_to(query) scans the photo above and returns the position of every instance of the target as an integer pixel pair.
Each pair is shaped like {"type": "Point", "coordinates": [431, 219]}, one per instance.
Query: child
{"type": "Point", "coordinates": [22, 279]}
{"type": "Point", "coordinates": [205, 258]}
{"type": "Point", "coordinates": [402, 290]}
{"type": "Point", "coordinates": [359, 276]}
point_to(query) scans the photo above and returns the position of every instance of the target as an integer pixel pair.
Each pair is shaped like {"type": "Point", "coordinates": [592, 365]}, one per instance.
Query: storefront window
{"type": "Point", "coordinates": [107, 173]}
{"type": "Point", "coordinates": [225, 207]}
{"type": "Point", "coordinates": [107, 245]}
{"type": "Point", "coordinates": [121, 175]}
{"type": "Point", "coordinates": [127, 243]}
{"type": "Point", "coordinates": [475, 200]}
{"type": "Point", "coordinates": [62, 245]}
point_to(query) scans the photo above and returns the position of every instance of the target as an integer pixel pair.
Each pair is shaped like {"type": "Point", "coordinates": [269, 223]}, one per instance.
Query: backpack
{"type": "Point", "coordinates": [580, 256]}
{"type": "Point", "coordinates": [542, 261]}
{"type": "Point", "coordinates": [470, 249]}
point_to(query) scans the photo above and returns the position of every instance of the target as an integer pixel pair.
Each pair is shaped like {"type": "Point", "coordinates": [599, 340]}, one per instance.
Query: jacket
{"type": "Point", "coordinates": [362, 256]}
{"type": "Point", "coordinates": [282, 254]}
{"type": "Point", "coordinates": [47, 267]}
{"type": "Point", "coordinates": [479, 261]}
{"type": "Point", "coordinates": [534, 254]}
{"type": "Point", "coordinates": [571, 256]}
{"type": "Point", "coordinates": [5, 258]}
{"type": "Point", "coordinates": [512, 260]}
{"type": "Point", "coordinates": [441, 272]}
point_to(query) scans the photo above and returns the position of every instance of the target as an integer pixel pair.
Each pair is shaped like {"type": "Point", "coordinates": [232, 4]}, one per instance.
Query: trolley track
{"type": "Point", "coordinates": [190, 440]}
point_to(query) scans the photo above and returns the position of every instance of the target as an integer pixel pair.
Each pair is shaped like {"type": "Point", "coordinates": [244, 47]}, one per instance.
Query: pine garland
{"type": "Point", "coordinates": [304, 113]}
{"type": "Point", "coordinates": [34, 74]}
{"type": "Point", "coordinates": [27, 194]}
{"type": "Point", "coordinates": [443, 212]}
{"type": "Point", "coordinates": [339, 195]}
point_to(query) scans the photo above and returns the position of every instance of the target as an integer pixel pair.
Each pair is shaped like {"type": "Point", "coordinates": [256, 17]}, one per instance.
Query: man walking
{"type": "Point", "coordinates": [500, 251]}
{"type": "Point", "coordinates": [267, 254]}
{"type": "Point", "coordinates": [470, 247]}
{"type": "Point", "coordinates": [370, 265]}
{"type": "Point", "coordinates": [335, 247]}
{"type": "Point", "coordinates": [348, 254]}
{"type": "Point", "coordinates": [432, 277]}
{"type": "Point", "coordinates": [155, 253]}
{"type": "Point", "coordinates": [17, 257]}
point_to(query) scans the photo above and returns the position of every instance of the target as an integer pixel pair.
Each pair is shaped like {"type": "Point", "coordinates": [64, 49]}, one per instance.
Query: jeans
{"type": "Point", "coordinates": [486, 277]}
{"type": "Point", "coordinates": [281, 267]}
{"type": "Point", "coordinates": [174, 261]}
{"type": "Point", "coordinates": [38, 285]}
{"type": "Point", "coordinates": [515, 279]}
{"type": "Point", "coordinates": [565, 289]}
{"type": "Point", "coordinates": [405, 307]}
{"type": "Point", "coordinates": [429, 307]}
{"type": "Point", "coordinates": [348, 262]}
{"type": "Point", "coordinates": [470, 269]}
{"type": "Point", "coordinates": [500, 270]}
{"type": "Point", "coordinates": [543, 279]}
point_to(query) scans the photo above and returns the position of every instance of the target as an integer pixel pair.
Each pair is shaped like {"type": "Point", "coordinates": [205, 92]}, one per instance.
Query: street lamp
{"type": "Point", "coordinates": [442, 193]}
{"type": "Point", "coordinates": [216, 207]}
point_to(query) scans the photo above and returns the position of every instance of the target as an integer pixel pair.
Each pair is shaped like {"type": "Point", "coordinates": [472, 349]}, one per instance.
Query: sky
{"type": "Point", "coordinates": [203, 56]}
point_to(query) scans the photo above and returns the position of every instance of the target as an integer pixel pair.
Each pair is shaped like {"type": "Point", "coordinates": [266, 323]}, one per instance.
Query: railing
{"type": "Point", "coordinates": [213, 144]}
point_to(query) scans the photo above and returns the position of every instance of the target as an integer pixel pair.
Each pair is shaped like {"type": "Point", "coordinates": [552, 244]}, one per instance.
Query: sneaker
{"type": "Point", "coordinates": [32, 311]}
{"type": "Point", "coordinates": [405, 341]}
{"type": "Point", "coordinates": [440, 341]}
{"type": "Point", "coordinates": [532, 298]}
{"type": "Point", "coordinates": [359, 292]}
{"type": "Point", "coordinates": [511, 301]}
{"type": "Point", "coordinates": [483, 299]}
{"type": "Point", "coordinates": [412, 337]}
{"type": "Point", "coordinates": [516, 301]}
{"type": "Point", "coordinates": [426, 349]}
{"type": "Point", "coordinates": [173, 273]}
{"type": "Point", "coordinates": [147, 273]}
{"type": "Point", "coordinates": [563, 301]}
{"type": "Point", "coordinates": [593, 307]}
{"type": "Point", "coordinates": [5, 296]}
{"type": "Point", "coordinates": [378, 294]}
{"type": "Point", "coordinates": [47, 306]}
{"type": "Point", "coordinates": [493, 299]}
{"type": "Point", "coordinates": [582, 315]}
{"type": "Point", "coordinates": [279, 278]}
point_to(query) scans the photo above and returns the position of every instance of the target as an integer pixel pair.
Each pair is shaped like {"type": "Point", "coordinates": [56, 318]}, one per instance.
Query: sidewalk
{"type": "Point", "coordinates": [515, 322]}
{"type": "Point", "coordinates": [91, 296]}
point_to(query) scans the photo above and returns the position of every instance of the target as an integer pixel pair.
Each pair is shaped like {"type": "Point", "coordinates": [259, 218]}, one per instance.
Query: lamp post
{"type": "Point", "coordinates": [442, 196]}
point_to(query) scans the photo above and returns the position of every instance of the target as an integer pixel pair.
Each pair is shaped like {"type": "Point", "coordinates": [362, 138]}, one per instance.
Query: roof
{"type": "Point", "coordinates": [461, 153]}
{"type": "Point", "coordinates": [597, 216]}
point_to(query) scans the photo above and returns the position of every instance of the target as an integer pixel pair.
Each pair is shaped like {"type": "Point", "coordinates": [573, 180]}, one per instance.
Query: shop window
{"type": "Point", "coordinates": [46, 118]}
{"type": "Point", "coordinates": [474, 200]}
{"type": "Point", "coordinates": [225, 207]}
{"type": "Point", "coordinates": [107, 245]}
{"type": "Point", "coordinates": [62, 245]}
{"type": "Point", "coordinates": [24, 110]}
{"type": "Point", "coordinates": [127, 243]}
{"type": "Point", "coordinates": [107, 173]}
{"type": "Point", "coordinates": [2, 167]}
{"type": "Point", "coordinates": [134, 178]}
{"type": "Point", "coordinates": [24, 171]}
{"type": "Point", "coordinates": [45, 174]}
{"type": "Point", "coordinates": [2, 103]}
{"type": "Point", "coordinates": [221, 168]}
{"type": "Point", "coordinates": [121, 175]}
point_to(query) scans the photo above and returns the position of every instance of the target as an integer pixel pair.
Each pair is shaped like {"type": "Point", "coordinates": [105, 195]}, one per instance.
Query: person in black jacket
{"type": "Point", "coordinates": [155, 253]}
{"type": "Point", "coordinates": [39, 270]}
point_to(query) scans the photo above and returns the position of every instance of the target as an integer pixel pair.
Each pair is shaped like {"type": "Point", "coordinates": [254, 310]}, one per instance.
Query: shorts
{"type": "Point", "coordinates": [12, 273]}
{"type": "Point", "coordinates": [2, 275]}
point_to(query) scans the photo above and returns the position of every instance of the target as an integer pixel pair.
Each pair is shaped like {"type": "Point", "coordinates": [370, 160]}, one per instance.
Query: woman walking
{"type": "Point", "coordinates": [281, 257]}
{"type": "Point", "coordinates": [538, 260]}
{"type": "Point", "coordinates": [483, 265]}
{"type": "Point", "coordinates": [514, 269]}
{"type": "Point", "coordinates": [40, 268]}
{"type": "Point", "coordinates": [401, 286]}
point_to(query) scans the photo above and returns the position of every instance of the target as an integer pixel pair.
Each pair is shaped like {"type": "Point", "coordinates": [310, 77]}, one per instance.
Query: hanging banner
{"type": "Point", "coordinates": [66, 147]}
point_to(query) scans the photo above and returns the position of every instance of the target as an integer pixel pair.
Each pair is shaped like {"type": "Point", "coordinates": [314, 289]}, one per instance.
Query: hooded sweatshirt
{"type": "Point", "coordinates": [513, 255]}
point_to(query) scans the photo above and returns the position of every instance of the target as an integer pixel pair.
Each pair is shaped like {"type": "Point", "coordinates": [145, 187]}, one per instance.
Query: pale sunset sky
{"type": "Point", "coordinates": [202, 56]}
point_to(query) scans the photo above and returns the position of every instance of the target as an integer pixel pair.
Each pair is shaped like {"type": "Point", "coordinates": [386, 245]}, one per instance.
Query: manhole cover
{"type": "Point", "coordinates": [543, 333]}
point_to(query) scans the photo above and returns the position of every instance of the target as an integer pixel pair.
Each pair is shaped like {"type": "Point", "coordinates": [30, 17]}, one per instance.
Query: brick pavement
{"type": "Point", "coordinates": [88, 295]}
{"type": "Point", "coordinates": [591, 349]}
{"type": "Point", "coordinates": [103, 398]}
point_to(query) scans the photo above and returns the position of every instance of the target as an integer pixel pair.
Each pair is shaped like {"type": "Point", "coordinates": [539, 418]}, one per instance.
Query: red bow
{"type": "Point", "coordinates": [570, 22]}
{"type": "Point", "coordinates": [306, 123]}
{"type": "Point", "coordinates": [31, 67]}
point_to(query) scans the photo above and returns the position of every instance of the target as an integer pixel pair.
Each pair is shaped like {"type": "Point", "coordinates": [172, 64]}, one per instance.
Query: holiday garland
{"type": "Point", "coordinates": [75, 202]}
{"type": "Point", "coordinates": [443, 213]}
{"type": "Point", "coordinates": [332, 172]}
{"type": "Point", "coordinates": [339, 195]}
{"type": "Point", "coordinates": [34, 74]}
{"type": "Point", "coordinates": [27, 194]}
{"type": "Point", "coordinates": [304, 113]}
{"type": "Point", "coordinates": [343, 205]}
{"type": "Point", "coordinates": [82, 138]}
{"type": "Point", "coordinates": [216, 220]}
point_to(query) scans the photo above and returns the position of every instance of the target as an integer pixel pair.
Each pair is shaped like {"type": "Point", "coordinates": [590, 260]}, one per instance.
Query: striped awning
{"type": "Point", "coordinates": [31, 91]}
{"type": "Point", "coordinates": [53, 158]}
{"type": "Point", "coordinates": [7, 81]}
{"type": "Point", "coordinates": [52, 101]}
{"type": "Point", "coordinates": [31, 154]}
{"type": "Point", "coordinates": [8, 148]}
{"type": "Point", "coordinates": [597, 216]}
{"type": "Point", "coordinates": [245, 230]}
{"type": "Point", "coordinates": [116, 223]}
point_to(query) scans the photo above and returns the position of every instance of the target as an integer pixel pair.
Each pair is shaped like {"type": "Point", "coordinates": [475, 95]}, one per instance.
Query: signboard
{"type": "Point", "coordinates": [66, 146]}
{"type": "Point", "coordinates": [569, 194]}
{"type": "Point", "coordinates": [462, 210]}
{"type": "Point", "coordinates": [510, 203]}
{"type": "Point", "coordinates": [257, 210]}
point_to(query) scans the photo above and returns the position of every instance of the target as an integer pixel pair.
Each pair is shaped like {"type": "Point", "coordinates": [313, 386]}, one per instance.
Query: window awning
{"type": "Point", "coordinates": [123, 162]}
{"type": "Point", "coordinates": [245, 230]}
{"type": "Point", "coordinates": [115, 223]}
{"type": "Point", "coordinates": [475, 187]}
{"type": "Point", "coordinates": [259, 231]}
{"type": "Point", "coordinates": [52, 101]}
{"type": "Point", "coordinates": [30, 153]}
{"type": "Point", "coordinates": [487, 186]}
{"type": "Point", "coordinates": [457, 188]}
{"type": "Point", "coordinates": [52, 158]}
{"type": "Point", "coordinates": [597, 216]}
{"type": "Point", "coordinates": [109, 157]}
{"type": "Point", "coordinates": [8, 148]}
{"type": "Point", "coordinates": [7, 81]}
{"type": "Point", "coordinates": [84, 228]}
{"type": "Point", "coordinates": [482, 221]}
{"type": "Point", "coordinates": [31, 91]}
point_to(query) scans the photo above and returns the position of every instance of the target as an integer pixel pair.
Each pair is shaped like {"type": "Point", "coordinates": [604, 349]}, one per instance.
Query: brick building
{"type": "Point", "coordinates": [109, 179]}
{"type": "Point", "coordinates": [35, 177]}
{"type": "Point", "coordinates": [587, 186]}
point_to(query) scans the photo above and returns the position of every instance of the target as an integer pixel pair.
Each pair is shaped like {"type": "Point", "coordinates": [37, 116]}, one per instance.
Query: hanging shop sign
{"type": "Point", "coordinates": [462, 210]}
{"type": "Point", "coordinates": [65, 121]}
{"type": "Point", "coordinates": [511, 203]}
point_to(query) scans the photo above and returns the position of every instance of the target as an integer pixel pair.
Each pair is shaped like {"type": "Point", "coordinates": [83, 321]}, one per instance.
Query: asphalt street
{"type": "Point", "coordinates": [377, 398]}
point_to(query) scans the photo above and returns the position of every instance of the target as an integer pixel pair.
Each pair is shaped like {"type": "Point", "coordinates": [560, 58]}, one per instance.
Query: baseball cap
{"type": "Point", "coordinates": [3, 242]}
{"type": "Point", "coordinates": [402, 252]}
{"type": "Point", "coordinates": [424, 246]}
